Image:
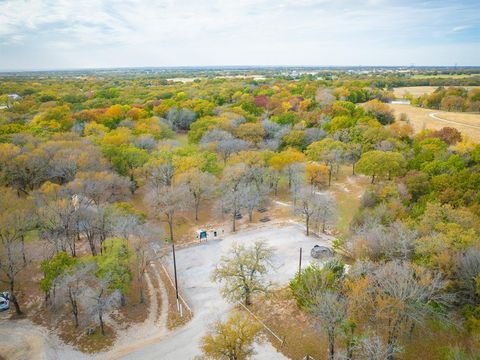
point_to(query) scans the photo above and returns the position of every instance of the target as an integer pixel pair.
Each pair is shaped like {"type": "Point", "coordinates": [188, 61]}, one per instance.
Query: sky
{"type": "Point", "coordinates": [73, 34]}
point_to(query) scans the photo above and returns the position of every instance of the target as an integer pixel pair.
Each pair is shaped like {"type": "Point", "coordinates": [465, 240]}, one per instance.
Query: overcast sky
{"type": "Point", "coordinates": [58, 34]}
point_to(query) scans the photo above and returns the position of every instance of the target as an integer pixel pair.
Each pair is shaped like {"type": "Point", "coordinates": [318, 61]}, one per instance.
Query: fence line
{"type": "Point", "coordinates": [263, 324]}
{"type": "Point", "coordinates": [173, 286]}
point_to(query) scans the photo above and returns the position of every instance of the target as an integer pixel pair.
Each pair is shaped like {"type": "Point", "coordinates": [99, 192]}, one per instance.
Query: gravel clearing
{"type": "Point", "coordinates": [23, 340]}
{"type": "Point", "coordinates": [195, 264]}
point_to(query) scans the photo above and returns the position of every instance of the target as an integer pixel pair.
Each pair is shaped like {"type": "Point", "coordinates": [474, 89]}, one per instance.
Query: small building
{"type": "Point", "coordinates": [14, 97]}
{"type": "Point", "coordinates": [204, 234]}
{"type": "Point", "coordinates": [400, 102]}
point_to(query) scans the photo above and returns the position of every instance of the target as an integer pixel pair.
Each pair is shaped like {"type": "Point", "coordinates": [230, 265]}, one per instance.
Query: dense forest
{"type": "Point", "coordinates": [87, 161]}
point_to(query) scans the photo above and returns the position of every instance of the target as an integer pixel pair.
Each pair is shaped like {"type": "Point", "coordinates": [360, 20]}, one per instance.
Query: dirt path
{"type": "Point", "coordinates": [163, 317]}
{"type": "Point", "coordinates": [153, 330]}
{"type": "Point", "coordinates": [434, 116]}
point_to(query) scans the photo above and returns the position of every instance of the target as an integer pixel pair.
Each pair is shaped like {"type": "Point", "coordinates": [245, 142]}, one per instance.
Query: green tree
{"type": "Point", "coordinates": [328, 151]}
{"type": "Point", "coordinates": [53, 269]}
{"type": "Point", "coordinates": [113, 264]}
{"type": "Point", "coordinates": [378, 163]}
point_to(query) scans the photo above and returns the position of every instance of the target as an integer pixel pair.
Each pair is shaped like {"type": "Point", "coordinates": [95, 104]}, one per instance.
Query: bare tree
{"type": "Point", "coordinates": [307, 206]}
{"type": "Point", "coordinates": [251, 197]}
{"type": "Point", "coordinates": [159, 174]}
{"type": "Point", "coordinates": [325, 210]}
{"type": "Point", "coordinates": [243, 272]}
{"type": "Point", "coordinates": [374, 348]}
{"type": "Point", "coordinates": [99, 300]}
{"type": "Point", "coordinates": [231, 195]}
{"type": "Point", "coordinates": [72, 285]}
{"type": "Point", "coordinates": [12, 255]}
{"type": "Point", "coordinates": [467, 272]}
{"type": "Point", "coordinates": [297, 183]}
{"type": "Point", "coordinates": [377, 241]}
{"type": "Point", "coordinates": [100, 187]}
{"type": "Point", "coordinates": [58, 223]}
{"type": "Point", "coordinates": [146, 245]}
{"type": "Point", "coordinates": [330, 309]}
{"type": "Point", "coordinates": [180, 119]}
{"type": "Point", "coordinates": [403, 295]}
{"type": "Point", "coordinates": [168, 201]}
{"type": "Point", "coordinates": [228, 147]}
{"type": "Point", "coordinates": [324, 96]}
{"type": "Point", "coordinates": [200, 186]}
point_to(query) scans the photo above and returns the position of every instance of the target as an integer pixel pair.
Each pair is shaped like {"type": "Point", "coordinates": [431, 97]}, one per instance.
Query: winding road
{"type": "Point", "coordinates": [434, 116]}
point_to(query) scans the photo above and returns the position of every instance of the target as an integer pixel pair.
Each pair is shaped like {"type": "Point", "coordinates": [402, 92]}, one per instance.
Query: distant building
{"type": "Point", "coordinates": [14, 97]}
{"type": "Point", "coordinates": [400, 101]}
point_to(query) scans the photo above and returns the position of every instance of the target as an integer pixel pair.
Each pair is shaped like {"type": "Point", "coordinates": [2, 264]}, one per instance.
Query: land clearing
{"type": "Point", "coordinates": [467, 123]}
{"type": "Point", "coordinates": [195, 264]}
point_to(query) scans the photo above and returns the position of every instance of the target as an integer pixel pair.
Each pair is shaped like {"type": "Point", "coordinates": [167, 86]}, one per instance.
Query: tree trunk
{"type": "Point", "coordinates": [100, 318]}
{"type": "Point", "coordinates": [13, 298]}
{"type": "Point", "coordinates": [373, 179]}
{"type": "Point", "coordinates": [331, 346]}
{"type": "Point", "coordinates": [392, 339]}
{"type": "Point", "coordinates": [323, 227]}
{"type": "Point", "coordinates": [248, 302]}
{"type": "Point", "coordinates": [353, 168]}
{"type": "Point", "coordinates": [22, 239]}
{"type": "Point", "coordinates": [233, 221]}
{"type": "Point", "coordinates": [141, 282]}
{"type": "Point", "coordinates": [307, 223]}
{"type": "Point", "coordinates": [73, 303]}
{"type": "Point", "coordinates": [250, 215]}
{"type": "Point", "coordinates": [329, 176]}
{"type": "Point", "coordinates": [91, 242]}
{"type": "Point", "coordinates": [197, 205]}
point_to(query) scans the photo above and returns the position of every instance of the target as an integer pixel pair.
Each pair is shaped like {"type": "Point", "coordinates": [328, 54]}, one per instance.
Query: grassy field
{"type": "Point", "coordinates": [417, 91]}
{"type": "Point", "coordinates": [443, 76]}
{"type": "Point", "coordinates": [467, 124]}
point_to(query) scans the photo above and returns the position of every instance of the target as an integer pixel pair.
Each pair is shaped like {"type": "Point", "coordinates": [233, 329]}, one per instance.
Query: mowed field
{"type": "Point", "coordinates": [468, 124]}
{"type": "Point", "coordinates": [417, 91]}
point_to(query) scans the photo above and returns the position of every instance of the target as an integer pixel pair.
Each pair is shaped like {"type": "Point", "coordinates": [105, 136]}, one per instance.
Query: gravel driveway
{"type": "Point", "coordinates": [195, 265]}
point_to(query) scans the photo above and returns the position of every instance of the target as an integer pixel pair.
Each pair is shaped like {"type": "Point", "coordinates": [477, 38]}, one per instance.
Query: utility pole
{"type": "Point", "coordinates": [300, 262]}
{"type": "Point", "coordinates": [175, 275]}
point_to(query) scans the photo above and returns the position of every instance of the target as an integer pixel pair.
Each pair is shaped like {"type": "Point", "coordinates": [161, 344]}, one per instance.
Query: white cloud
{"type": "Point", "coordinates": [170, 32]}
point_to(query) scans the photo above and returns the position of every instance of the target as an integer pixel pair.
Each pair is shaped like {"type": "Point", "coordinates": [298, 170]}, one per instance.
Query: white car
{"type": "Point", "coordinates": [4, 301]}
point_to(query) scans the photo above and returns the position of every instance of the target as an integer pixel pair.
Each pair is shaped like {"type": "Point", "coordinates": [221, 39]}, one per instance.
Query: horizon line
{"type": "Point", "coordinates": [237, 67]}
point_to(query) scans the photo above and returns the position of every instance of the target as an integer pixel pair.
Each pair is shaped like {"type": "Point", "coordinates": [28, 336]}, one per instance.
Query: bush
{"type": "Point", "coordinates": [306, 285]}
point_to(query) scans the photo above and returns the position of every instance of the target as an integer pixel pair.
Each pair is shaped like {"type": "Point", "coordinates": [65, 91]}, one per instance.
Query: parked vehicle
{"type": "Point", "coordinates": [320, 251]}
{"type": "Point", "coordinates": [4, 301]}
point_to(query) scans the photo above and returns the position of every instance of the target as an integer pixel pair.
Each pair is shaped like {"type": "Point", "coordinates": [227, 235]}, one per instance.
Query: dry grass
{"type": "Point", "coordinates": [89, 344]}
{"type": "Point", "coordinates": [417, 91]}
{"type": "Point", "coordinates": [280, 312]}
{"type": "Point", "coordinates": [174, 319]}
{"type": "Point", "coordinates": [420, 119]}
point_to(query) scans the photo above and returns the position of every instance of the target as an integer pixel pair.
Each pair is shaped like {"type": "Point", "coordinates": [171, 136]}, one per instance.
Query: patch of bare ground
{"type": "Point", "coordinates": [87, 343]}
{"type": "Point", "coordinates": [280, 313]}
